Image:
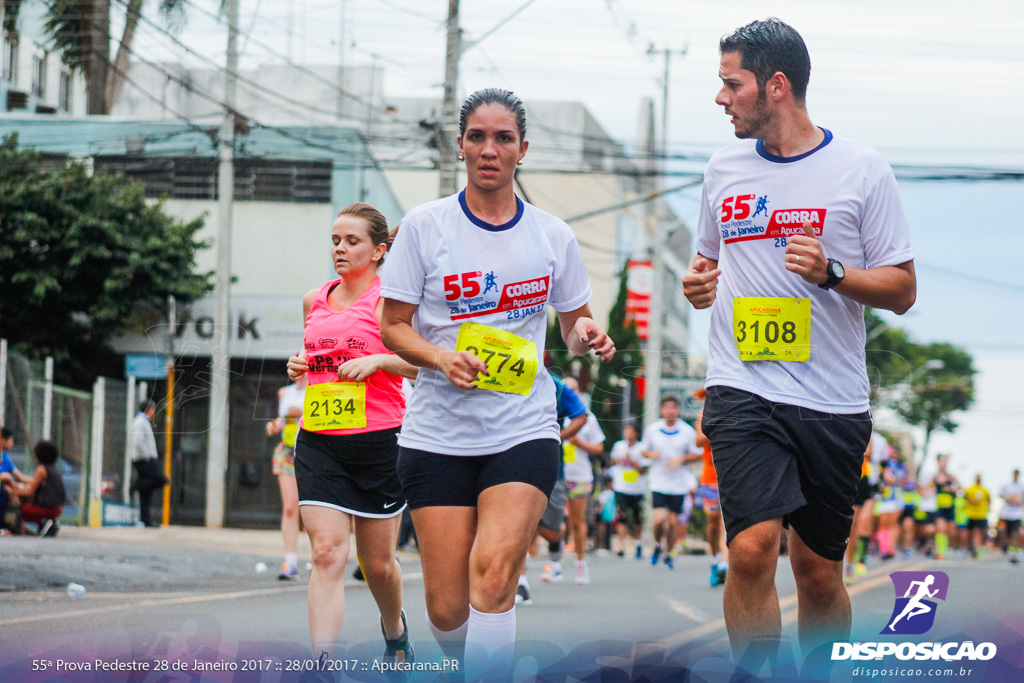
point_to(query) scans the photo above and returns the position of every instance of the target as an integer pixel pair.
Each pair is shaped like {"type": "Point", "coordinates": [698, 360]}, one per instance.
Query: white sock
{"type": "Point", "coordinates": [523, 581]}
{"type": "Point", "coordinates": [490, 642]}
{"type": "Point", "coordinates": [291, 559]}
{"type": "Point", "coordinates": [452, 643]}
{"type": "Point", "coordinates": [716, 560]}
{"type": "Point", "coordinates": [580, 564]}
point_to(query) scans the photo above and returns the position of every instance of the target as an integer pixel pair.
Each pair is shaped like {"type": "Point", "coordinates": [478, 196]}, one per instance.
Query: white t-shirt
{"type": "Point", "coordinates": [292, 397]}
{"type": "Point", "coordinates": [670, 442]}
{"type": "Point", "coordinates": [577, 465]}
{"type": "Point", "coordinates": [1010, 511]}
{"type": "Point", "coordinates": [456, 268]}
{"type": "Point", "coordinates": [879, 454]}
{"type": "Point", "coordinates": [626, 478]}
{"type": "Point", "coordinates": [752, 202]}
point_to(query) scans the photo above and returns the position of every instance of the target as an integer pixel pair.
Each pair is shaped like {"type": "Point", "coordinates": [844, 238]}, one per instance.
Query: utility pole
{"type": "Point", "coordinates": [449, 122]}
{"type": "Point", "coordinates": [172, 325]}
{"type": "Point", "coordinates": [652, 361]}
{"type": "Point", "coordinates": [341, 61]}
{"type": "Point", "coordinates": [217, 460]}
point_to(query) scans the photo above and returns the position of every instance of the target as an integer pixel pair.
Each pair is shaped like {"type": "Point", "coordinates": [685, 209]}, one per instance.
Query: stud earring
{"type": "Point", "coordinates": [519, 163]}
{"type": "Point", "coordinates": [461, 158]}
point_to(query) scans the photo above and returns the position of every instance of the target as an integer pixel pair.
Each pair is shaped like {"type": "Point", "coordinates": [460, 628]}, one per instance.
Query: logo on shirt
{"type": "Point", "coordinates": [356, 343]}
{"type": "Point", "coordinates": [473, 294]}
{"type": "Point", "coordinates": [328, 343]}
{"type": "Point", "coordinates": [738, 216]}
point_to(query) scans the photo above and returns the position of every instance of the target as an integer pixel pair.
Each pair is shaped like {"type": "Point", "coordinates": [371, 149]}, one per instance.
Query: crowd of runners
{"type": "Point", "coordinates": [491, 455]}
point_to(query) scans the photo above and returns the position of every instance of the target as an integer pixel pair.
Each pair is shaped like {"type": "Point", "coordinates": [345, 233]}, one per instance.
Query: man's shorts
{"type": "Point", "coordinates": [1011, 527]}
{"type": "Point", "coordinates": [631, 508]}
{"type": "Point", "coordinates": [779, 460]}
{"type": "Point", "coordinates": [437, 480]}
{"type": "Point", "coordinates": [865, 491]}
{"type": "Point", "coordinates": [672, 503]}
{"type": "Point", "coordinates": [578, 489]}
{"type": "Point", "coordinates": [353, 473]}
{"type": "Point", "coordinates": [948, 514]}
{"type": "Point", "coordinates": [978, 524]}
{"type": "Point", "coordinates": [924, 517]}
{"type": "Point", "coordinates": [907, 513]}
{"type": "Point", "coordinates": [554, 514]}
{"type": "Point", "coordinates": [709, 494]}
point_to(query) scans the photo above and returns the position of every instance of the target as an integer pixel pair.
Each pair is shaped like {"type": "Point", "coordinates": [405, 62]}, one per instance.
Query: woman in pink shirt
{"type": "Point", "coordinates": [347, 447]}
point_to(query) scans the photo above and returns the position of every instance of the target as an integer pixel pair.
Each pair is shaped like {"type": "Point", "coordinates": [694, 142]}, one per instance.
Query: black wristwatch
{"type": "Point", "coordinates": [836, 273]}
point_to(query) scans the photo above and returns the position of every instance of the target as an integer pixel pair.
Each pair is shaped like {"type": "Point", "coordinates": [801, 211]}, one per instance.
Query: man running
{"type": "Point", "coordinates": [670, 445]}
{"type": "Point", "coordinates": [1011, 514]}
{"type": "Point", "coordinates": [787, 404]}
{"type": "Point", "coordinates": [629, 482]}
{"type": "Point", "coordinates": [976, 508]}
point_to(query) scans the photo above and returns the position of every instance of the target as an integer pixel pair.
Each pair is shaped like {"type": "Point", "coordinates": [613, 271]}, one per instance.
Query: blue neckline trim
{"type": "Point", "coordinates": [765, 154]}
{"type": "Point", "coordinates": [662, 430]}
{"type": "Point", "coordinates": [520, 208]}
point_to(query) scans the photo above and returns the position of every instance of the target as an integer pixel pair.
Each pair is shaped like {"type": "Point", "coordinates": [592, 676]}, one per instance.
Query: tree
{"type": "Point", "coordinates": [923, 383]}
{"type": "Point", "coordinates": [80, 252]}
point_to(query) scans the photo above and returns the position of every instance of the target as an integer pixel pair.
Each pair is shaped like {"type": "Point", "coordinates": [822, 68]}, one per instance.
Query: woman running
{"type": "Point", "coordinates": [347, 446]}
{"type": "Point", "coordinates": [289, 410]}
{"type": "Point", "coordinates": [465, 299]}
{"type": "Point", "coordinates": [579, 483]}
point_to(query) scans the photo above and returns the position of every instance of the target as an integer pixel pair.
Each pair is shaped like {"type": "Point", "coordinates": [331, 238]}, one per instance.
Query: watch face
{"type": "Point", "coordinates": [837, 270]}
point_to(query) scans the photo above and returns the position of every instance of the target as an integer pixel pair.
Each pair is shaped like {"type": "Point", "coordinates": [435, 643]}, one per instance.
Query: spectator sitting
{"type": "Point", "coordinates": [10, 477]}
{"type": "Point", "coordinates": [44, 494]}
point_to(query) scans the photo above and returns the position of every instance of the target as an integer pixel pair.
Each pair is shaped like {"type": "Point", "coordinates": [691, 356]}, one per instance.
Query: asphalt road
{"type": "Point", "coordinates": [188, 596]}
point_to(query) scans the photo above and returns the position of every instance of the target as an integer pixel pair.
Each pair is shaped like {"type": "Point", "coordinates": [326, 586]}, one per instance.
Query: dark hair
{"type": "Point", "coordinates": [505, 98]}
{"type": "Point", "coordinates": [633, 426]}
{"type": "Point", "coordinates": [147, 405]}
{"type": "Point", "coordinates": [670, 398]}
{"type": "Point", "coordinates": [377, 225]}
{"type": "Point", "coordinates": [6, 433]}
{"type": "Point", "coordinates": [769, 46]}
{"type": "Point", "coordinates": [46, 452]}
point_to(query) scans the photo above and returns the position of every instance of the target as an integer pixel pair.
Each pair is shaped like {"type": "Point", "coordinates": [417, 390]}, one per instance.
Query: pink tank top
{"type": "Point", "coordinates": [334, 337]}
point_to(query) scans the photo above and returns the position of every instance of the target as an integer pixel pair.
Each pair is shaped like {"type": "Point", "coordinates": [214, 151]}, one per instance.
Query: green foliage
{"type": "Point", "coordinates": [79, 252]}
{"type": "Point", "coordinates": [924, 383]}
{"type": "Point", "coordinates": [627, 364]}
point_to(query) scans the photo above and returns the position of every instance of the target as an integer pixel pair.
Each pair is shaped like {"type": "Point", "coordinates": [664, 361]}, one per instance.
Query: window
{"type": "Point", "coordinates": [64, 96]}
{"type": "Point", "coordinates": [10, 57]}
{"type": "Point", "coordinates": [39, 75]}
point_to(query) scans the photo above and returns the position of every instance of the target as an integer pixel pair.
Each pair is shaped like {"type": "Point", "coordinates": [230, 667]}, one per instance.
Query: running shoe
{"type": "Point", "coordinates": [358, 574]}
{"type": "Point", "coordinates": [523, 596]}
{"type": "Point", "coordinates": [723, 572]}
{"type": "Point", "coordinates": [639, 552]}
{"type": "Point", "coordinates": [655, 555]}
{"type": "Point", "coordinates": [398, 649]}
{"type": "Point", "coordinates": [288, 573]}
{"type": "Point", "coordinates": [860, 570]}
{"type": "Point", "coordinates": [848, 574]}
{"type": "Point", "coordinates": [582, 574]}
{"type": "Point", "coordinates": [552, 573]}
{"type": "Point", "coordinates": [669, 562]}
{"type": "Point", "coordinates": [621, 553]}
{"type": "Point", "coordinates": [713, 580]}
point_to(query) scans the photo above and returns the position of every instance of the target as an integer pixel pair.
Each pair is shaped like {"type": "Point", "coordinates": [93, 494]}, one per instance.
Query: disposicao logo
{"type": "Point", "coordinates": [914, 614]}
{"type": "Point", "coordinates": [916, 592]}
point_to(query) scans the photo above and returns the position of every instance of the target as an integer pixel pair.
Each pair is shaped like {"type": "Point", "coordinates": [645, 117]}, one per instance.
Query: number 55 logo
{"type": "Point", "coordinates": [736, 208]}
{"type": "Point", "coordinates": [470, 287]}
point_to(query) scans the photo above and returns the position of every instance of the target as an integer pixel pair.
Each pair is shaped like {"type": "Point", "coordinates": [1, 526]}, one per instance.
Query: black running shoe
{"type": "Point", "coordinates": [398, 649]}
{"type": "Point", "coordinates": [358, 574]}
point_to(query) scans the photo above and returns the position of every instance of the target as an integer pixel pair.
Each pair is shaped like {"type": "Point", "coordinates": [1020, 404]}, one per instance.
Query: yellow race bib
{"type": "Point", "coordinates": [289, 434]}
{"type": "Point", "coordinates": [630, 476]}
{"type": "Point", "coordinates": [511, 360]}
{"type": "Point", "coordinates": [772, 328]}
{"type": "Point", "coordinates": [568, 453]}
{"type": "Point", "coordinates": [334, 405]}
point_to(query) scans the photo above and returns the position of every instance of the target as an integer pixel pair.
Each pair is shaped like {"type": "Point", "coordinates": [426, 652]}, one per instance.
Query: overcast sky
{"type": "Point", "coordinates": [924, 81]}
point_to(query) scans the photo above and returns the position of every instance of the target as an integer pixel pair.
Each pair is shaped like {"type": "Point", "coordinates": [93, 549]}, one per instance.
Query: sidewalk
{"type": "Point", "coordinates": [243, 541]}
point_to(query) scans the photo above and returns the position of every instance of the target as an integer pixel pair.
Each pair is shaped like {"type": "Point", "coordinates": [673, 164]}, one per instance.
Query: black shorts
{"type": "Point", "coordinates": [780, 460]}
{"type": "Point", "coordinates": [431, 479]}
{"type": "Point", "coordinates": [978, 524]}
{"type": "Point", "coordinates": [554, 513]}
{"type": "Point", "coordinates": [908, 512]}
{"type": "Point", "coordinates": [948, 514]}
{"type": "Point", "coordinates": [674, 503]}
{"type": "Point", "coordinates": [631, 508]}
{"type": "Point", "coordinates": [1011, 526]}
{"type": "Point", "coordinates": [865, 491]}
{"type": "Point", "coordinates": [353, 473]}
